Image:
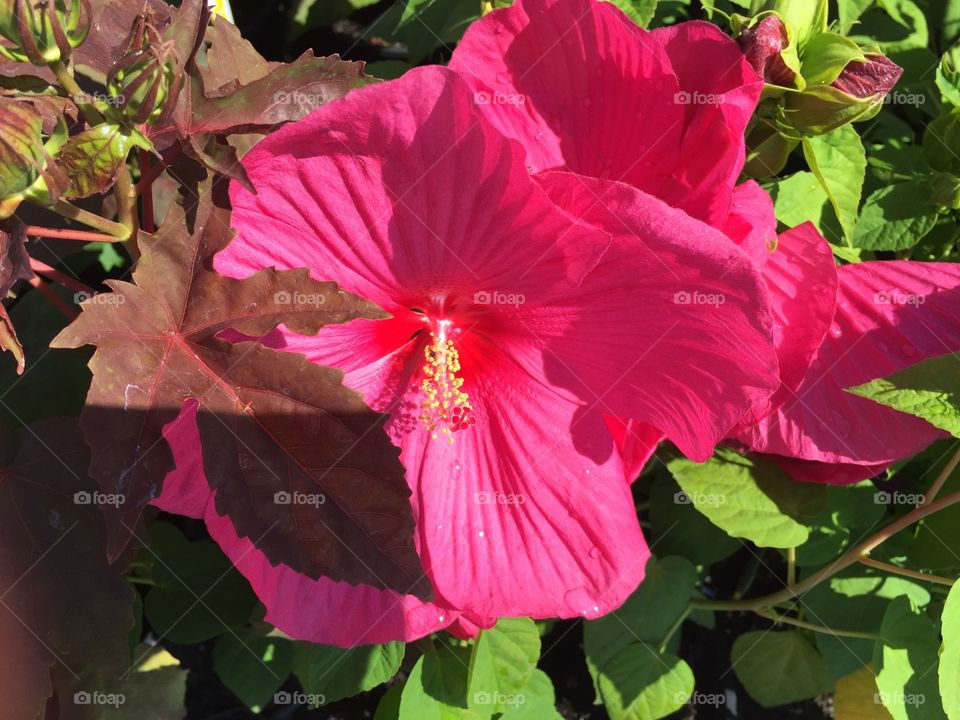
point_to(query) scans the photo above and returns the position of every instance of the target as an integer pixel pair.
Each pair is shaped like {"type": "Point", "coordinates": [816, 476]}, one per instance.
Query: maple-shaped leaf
{"type": "Point", "coordinates": [272, 424]}
{"type": "Point", "coordinates": [14, 266]}
{"type": "Point", "coordinates": [251, 95]}
{"type": "Point", "coordinates": [65, 614]}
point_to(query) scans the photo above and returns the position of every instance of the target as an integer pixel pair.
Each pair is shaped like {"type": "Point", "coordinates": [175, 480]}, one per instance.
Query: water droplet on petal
{"type": "Point", "coordinates": [835, 331]}
{"type": "Point", "coordinates": [503, 78]}
{"type": "Point", "coordinates": [595, 553]}
{"type": "Point", "coordinates": [581, 602]}
{"type": "Point", "coordinates": [440, 618]}
{"type": "Point", "coordinates": [909, 350]}
{"type": "Point", "coordinates": [480, 533]}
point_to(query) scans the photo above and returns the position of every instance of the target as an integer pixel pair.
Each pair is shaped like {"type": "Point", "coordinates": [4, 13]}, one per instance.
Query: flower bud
{"type": "Point", "coordinates": [147, 77]}
{"type": "Point", "coordinates": [856, 94]}
{"type": "Point", "coordinates": [43, 31]}
{"type": "Point", "coordinates": [763, 45]}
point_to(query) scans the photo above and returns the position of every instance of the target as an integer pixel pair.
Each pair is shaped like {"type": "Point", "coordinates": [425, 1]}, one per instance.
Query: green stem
{"type": "Point", "coordinates": [937, 485]}
{"type": "Point", "coordinates": [791, 566]}
{"type": "Point", "coordinates": [69, 83]}
{"type": "Point", "coordinates": [849, 558]}
{"type": "Point", "coordinates": [126, 196]}
{"type": "Point", "coordinates": [673, 628]}
{"type": "Point", "coordinates": [906, 572]}
{"type": "Point", "coordinates": [62, 207]}
{"type": "Point", "coordinates": [787, 620]}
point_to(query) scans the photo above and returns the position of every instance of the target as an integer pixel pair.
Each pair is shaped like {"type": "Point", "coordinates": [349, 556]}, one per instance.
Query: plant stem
{"type": "Point", "coordinates": [791, 566]}
{"type": "Point", "coordinates": [146, 193]}
{"type": "Point", "coordinates": [69, 83]}
{"type": "Point", "coordinates": [787, 620]}
{"type": "Point", "coordinates": [69, 234]}
{"type": "Point", "coordinates": [57, 276]}
{"type": "Point", "coordinates": [849, 558]}
{"type": "Point", "coordinates": [942, 477]}
{"type": "Point", "coordinates": [673, 628]}
{"type": "Point", "coordinates": [905, 572]}
{"type": "Point", "coordinates": [116, 230]}
{"type": "Point", "coordinates": [68, 312]}
{"type": "Point", "coordinates": [126, 196]}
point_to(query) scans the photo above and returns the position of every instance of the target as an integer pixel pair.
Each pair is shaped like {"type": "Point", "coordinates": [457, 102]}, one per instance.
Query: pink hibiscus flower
{"type": "Point", "coordinates": [523, 312]}
{"type": "Point", "coordinates": [666, 111]}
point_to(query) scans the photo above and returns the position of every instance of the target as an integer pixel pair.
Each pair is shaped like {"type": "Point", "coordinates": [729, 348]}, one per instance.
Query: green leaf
{"type": "Point", "coordinates": [503, 661]}
{"type": "Point", "coordinates": [93, 158]}
{"type": "Point", "coordinates": [639, 683]}
{"type": "Point", "coordinates": [538, 700]}
{"type": "Point", "coordinates": [647, 615]}
{"type": "Point", "coordinates": [437, 687]}
{"type": "Point", "coordinates": [855, 600]}
{"type": "Point", "coordinates": [849, 511]}
{"type": "Point", "coordinates": [749, 497]}
{"type": "Point", "coordinates": [197, 595]}
{"type": "Point", "coordinates": [640, 11]}
{"type": "Point", "coordinates": [677, 528]}
{"type": "Point", "coordinates": [948, 77]}
{"type": "Point", "coordinates": [336, 673]}
{"type": "Point", "coordinates": [839, 162]}
{"type": "Point", "coordinates": [826, 55]}
{"type": "Point", "coordinates": [930, 389]}
{"type": "Point", "coordinates": [895, 217]}
{"type": "Point", "coordinates": [21, 146]}
{"type": "Point", "coordinates": [798, 198]}
{"type": "Point", "coordinates": [159, 693]}
{"type": "Point", "coordinates": [252, 667]}
{"type": "Point", "coordinates": [427, 24]}
{"type": "Point", "coordinates": [777, 668]}
{"type": "Point", "coordinates": [905, 658]}
{"type": "Point", "coordinates": [950, 654]}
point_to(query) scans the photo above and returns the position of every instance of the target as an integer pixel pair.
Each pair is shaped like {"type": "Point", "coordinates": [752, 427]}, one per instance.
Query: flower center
{"type": "Point", "coordinates": [445, 409]}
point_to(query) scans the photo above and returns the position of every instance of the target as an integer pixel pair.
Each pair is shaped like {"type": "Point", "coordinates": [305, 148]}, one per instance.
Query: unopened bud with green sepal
{"type": "Point", "coordinates": [43, 32]}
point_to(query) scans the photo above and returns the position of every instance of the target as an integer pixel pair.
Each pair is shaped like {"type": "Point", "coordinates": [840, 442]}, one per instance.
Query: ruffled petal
{"type": "Point", "coordinates": [751, 223]}
{"type": "Point", "coordinates": [672, 327]}
{"type": "Point", "coordinates": [580, 86]}
{"type": "Point", "coordinates": [890, 315]}
{"type": "Point", "coordinates": [398, 192]}
{"type": "Point", "coordinates": [508, 511]}
{"type": "Point", "coordinates": [636, 442]}
{"type": "Point", "coordinates": [719, 91]}
{"type": "Point", "coordinates": [320, 610]}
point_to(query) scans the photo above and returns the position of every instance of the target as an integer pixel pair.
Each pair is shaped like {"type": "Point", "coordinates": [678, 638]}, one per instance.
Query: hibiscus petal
{"type": "Point", "coordinates": [398, 192]}
{"type": "Point", "coordinates": [508, 512]}
{"type": "Point", "coordinates": [636, 442]}
{"type": "Point", "coordinates": [890, 315]}
{"type": "Point", "coordinates": [751, 223]}
{"type": "Point", "coordinates": [672, 328]}
{"type": "Point", "coordinates": [801, 276]}
{"type": "Point", "coordinates": [320, 610]}
{"type": "Point", "coordinates": [719, 91]}
{"type": "Point", "coordinates": [580, 86]}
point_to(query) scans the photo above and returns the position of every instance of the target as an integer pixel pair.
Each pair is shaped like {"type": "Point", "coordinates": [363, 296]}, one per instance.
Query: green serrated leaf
{"type": "Point", "coordinates": [930, 389]}
{"type": "Point", "coordinates": [749, 497]}
{"type": "Point", "coordinates": [840, 163]}
{"type": "Point", "coordinates": [777, 668]}
{"type": "Point", "coordinates": [798, 198]}
{"type": "Point", "coordinates": [91, 159]}
{"type": "Point", "coordinates": [640, 683]}
{"type": "Point", "coordinates": [336, 673]}
{"type": "Point", "coordinates": [640, 11]}
{"type": "Point", "coordinates": [895, 217]}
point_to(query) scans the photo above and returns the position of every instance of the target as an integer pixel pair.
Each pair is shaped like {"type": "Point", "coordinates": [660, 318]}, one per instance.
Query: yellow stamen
{"type": "Point", "coordinates": [445, 409]}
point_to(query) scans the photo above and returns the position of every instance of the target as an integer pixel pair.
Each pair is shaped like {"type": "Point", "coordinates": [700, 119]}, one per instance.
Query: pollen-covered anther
{"type": "Point", "coordinates": [445, 409]}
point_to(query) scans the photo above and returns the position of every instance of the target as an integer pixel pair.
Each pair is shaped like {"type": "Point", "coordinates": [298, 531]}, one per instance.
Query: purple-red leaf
{"type": "Point", "coordinates": [270, 422]}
